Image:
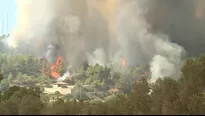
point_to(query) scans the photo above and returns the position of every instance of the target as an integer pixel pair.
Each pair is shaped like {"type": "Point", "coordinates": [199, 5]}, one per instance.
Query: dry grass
{"type": "Point", "coordinates": [55, 88]}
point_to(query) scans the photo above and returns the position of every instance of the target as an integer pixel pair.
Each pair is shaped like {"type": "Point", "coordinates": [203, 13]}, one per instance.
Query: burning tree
{"type": "Point", "coordinates": [57, 68]}
{"type": "Point", "coordinates": [54, 70]}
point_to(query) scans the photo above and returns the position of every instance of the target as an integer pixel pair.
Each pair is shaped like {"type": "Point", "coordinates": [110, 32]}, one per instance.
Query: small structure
{"type": "Point", "coordinates": [60, 84]}
{"type": "Point", "coordinates": [62, 87]}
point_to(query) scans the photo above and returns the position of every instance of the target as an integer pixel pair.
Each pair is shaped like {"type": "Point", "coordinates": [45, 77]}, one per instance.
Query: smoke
{"type": "Point", "coordinates": [52, 53]}
{"type": "Point", "coordinates": [182, 20]}
{"type": "Point", "coordinates": [85, 31]}
{"type": "Point", "coordinates": [64, 77]}
{"type": "Point", "coordinates": [98, 56]}
{"type": "Point", "coordinates": [141, 46]}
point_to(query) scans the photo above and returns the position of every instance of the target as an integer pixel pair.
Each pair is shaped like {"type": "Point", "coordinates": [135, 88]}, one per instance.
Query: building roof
{"type": "Point", "coordinates": [62, 83]}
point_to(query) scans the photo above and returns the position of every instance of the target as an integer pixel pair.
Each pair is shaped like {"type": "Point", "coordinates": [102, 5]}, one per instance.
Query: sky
{"type": "Point", "coordinates": [10, 7]}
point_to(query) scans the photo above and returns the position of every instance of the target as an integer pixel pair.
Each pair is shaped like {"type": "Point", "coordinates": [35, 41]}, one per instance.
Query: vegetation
{"type": "Point", "coordinates": [101, 90]}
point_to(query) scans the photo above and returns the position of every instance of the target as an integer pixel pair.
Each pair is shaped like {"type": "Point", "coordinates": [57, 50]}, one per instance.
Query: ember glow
{"type": "Point", "coordinates": [123, 62]}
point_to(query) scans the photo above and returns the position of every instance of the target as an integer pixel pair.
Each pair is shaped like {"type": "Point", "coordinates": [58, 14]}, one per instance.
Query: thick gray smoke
{"type": "Point", "coordinates": [83, 34]}
{"type": "Point", "coordinates": [182, 20]}
{"type": "Point", "coordinates": [52, 53]}
{"type": "Point", "coordinates": [141, 46]}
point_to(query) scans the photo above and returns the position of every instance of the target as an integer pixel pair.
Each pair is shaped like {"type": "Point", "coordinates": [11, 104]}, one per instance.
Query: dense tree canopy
{"type": "Point", "coordinates": [101, 90]}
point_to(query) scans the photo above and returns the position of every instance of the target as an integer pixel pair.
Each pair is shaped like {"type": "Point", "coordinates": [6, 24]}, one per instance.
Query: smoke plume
{"type": "Point", "coordinates": [141, 31]}
{"type": "Point", "coordinates": [64, 77]}
{"type": "Point", "coordinates": [141, 46]}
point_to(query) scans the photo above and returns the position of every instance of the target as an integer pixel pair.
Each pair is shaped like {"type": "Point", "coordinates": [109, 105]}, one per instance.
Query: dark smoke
{"type": "Point", "coordinates": [177, 18]}
{"type": "Point", "coordinates": [52, 53]}
{"type": "Point", "coordinates": [144, 31]}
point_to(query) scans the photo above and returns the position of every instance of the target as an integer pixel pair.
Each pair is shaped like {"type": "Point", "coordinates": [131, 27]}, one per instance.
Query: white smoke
{"type": "Point", "coordinates": [98, 56]}
{"type": "Point", "coordinates": [64, 77]}
{"type": "Point", "coordinates": [83, 34]}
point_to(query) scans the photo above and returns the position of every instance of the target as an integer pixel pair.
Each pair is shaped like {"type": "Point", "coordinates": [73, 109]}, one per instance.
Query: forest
{"type": "Point", "coordinates": [131, 95]}
{"type": "Point", "coordinates": [141, 32]}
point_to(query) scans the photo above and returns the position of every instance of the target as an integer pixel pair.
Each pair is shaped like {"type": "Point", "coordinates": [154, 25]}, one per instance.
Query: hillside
{"type": "Point", "coordinates": [166, 96]}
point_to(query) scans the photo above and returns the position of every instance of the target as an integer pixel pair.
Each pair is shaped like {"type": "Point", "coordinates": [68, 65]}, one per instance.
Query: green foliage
{"type": "Point", "coordinates": [7, 94]}
{"type": "Point", "coordinates": [45, 98]}
{"type": "Point", "coordinates": [19, 63]}
{"type": "Point", "coordinates": [79, 93]}
{"type": "Point", "coordinates": [1, 77]}
{"type": "Point", "coordinates": [4, 85]}
{"type": "Point", "coordinates": [9, 107]}
{"type": "Point", "coordinates": [90, 94]}
{"type": "Point", "coordinates": [10, 78]}
{"type": "Point", "coordinates": [30, 105]}
{"type": "Point", "coordinates": [21, 101]}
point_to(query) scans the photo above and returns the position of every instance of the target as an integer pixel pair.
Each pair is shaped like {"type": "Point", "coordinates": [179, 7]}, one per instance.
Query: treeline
{"type": "Point", "coordinates": [166, 96]}
{"type": "Point", "coordinates": [92, 82]}
{"type": "Point", "coordinates": [14, 64]}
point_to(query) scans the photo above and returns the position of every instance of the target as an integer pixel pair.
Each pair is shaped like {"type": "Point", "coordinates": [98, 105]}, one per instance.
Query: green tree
{"type": "Point", "coordinates": [192, 81]}
{"type": "Point", "coordinates": [10, 78]}
{"type": "Point", "coordinates": [99, 108]}
{"type": "Point", "coordinates": [45, 98]}
{"type": "Point", "coordinates": [157, 96]}
{"type": "Point", "coordinates": [1, 77]}
{"type": "Point", "coordinates": [196, 105]}
{"type": "Point", "coordinates": [30, 105]}
{"type": "Point", "coordinates": [4, 85]}
{"type": "Point", "coordinates": [125, 84]}
{"type": "Point", "coordinates": [57, 94]}
{"type": "Point", "coordinates": [140, 99]}
{"type": "Point", "coordinates": [56, 108]}
{"type": "Point", "coordinates": [7, 94]}
{"type": "Point", "coordinates": [79, 93]}
{"type": "Point", "coordinates": [9, 107]}
{"type": "Point", "coordinates": [170, 97]}
{"type": "Point", "coordinates": [80, 75]}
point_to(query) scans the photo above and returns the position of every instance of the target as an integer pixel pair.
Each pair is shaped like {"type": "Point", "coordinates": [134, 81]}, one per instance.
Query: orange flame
{"type": "Point", "coordinates": [123, 62]}
{"type": "Point", "coordinates": [54, 67]}
{"type": "Point", "coordinates": [54, 72]}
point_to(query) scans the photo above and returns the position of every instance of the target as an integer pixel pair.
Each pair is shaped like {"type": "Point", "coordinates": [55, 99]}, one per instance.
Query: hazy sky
{"type": "Point", "coordinates": [10, 7]}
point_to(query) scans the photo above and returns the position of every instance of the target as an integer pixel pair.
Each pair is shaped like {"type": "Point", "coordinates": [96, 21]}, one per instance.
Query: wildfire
{"type": "Point", "coordinates": [55, 67]}
{"type": "Point", "coordinates": [123, 62]}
